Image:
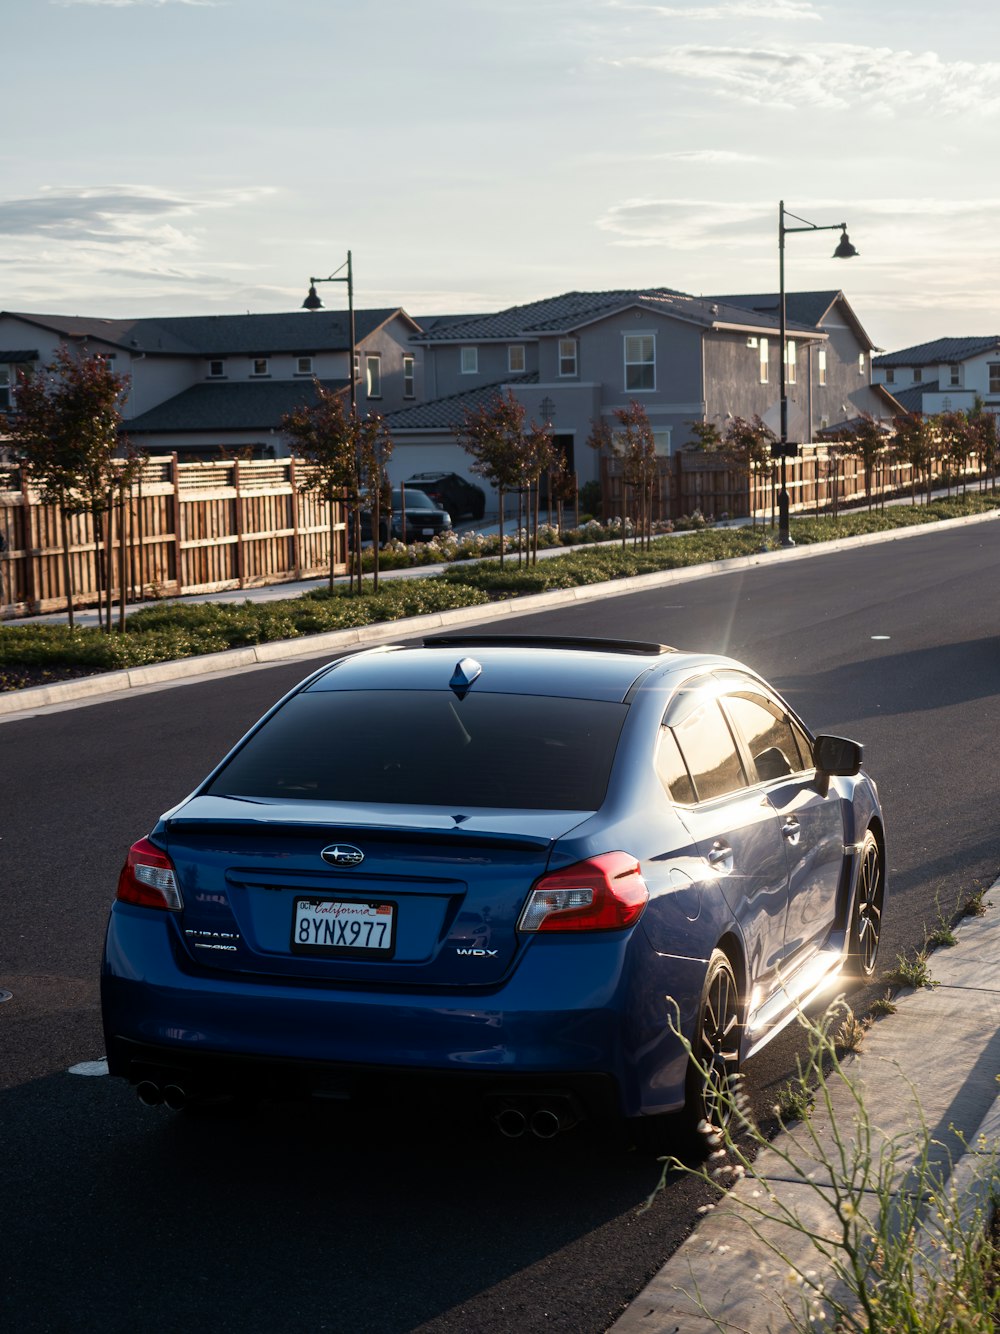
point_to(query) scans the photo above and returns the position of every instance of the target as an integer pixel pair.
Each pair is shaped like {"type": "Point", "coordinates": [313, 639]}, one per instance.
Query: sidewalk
{"type": "Point", "coordinates": [926, 1074]}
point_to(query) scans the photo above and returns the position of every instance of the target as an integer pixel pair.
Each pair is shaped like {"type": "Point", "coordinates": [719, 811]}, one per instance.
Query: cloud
{"type": "Point", "coordinates": [140, 4]}
{"type": "Point", "coordinates": [715, 155]}
{"type": "Point", "coordinates": [683, 224]}
{"type": "Point", "coordinates": [777, 10]}
{"type": "Point", "coordinates": [834, 76]}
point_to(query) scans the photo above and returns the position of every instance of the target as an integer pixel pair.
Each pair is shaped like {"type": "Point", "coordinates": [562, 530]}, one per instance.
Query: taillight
{"type": "Point", "coordinates": [603, 893]}
{"type": "Point", "coordinates": [148, 878]}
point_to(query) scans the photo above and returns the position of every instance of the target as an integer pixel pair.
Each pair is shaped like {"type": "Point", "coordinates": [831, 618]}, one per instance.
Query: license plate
{"type": "Point", "coordinates": [351, 927]}
{"type": "Point", "coordinates": [428, 532]}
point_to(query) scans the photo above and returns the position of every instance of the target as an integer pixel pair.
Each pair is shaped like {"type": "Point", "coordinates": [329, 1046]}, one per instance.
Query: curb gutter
{"type": "Point", "coordinates": [90, 689]}
{"type": "Point", "coordinates": [940, 1043]}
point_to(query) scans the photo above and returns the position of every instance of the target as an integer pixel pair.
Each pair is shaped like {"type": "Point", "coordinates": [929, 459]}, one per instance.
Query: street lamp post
{"type": "Point", "coordinates": [844, 250]}
{"type": "Point", "coordinates": [313, 302]}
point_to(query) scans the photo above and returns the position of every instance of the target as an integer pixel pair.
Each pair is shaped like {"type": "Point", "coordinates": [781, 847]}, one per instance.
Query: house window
{"type": "Point", "coordinates": [763, 361]}
{"type": "Point", "coordinates": [918, 375]}
{"type": "Point", "coordinates": [357, 365]}
{"type": "Point", "coordinates": [515, 359]}
{"type": "Point", "coordinates": [861, 363]}
{"type": "Point", "coordinates": [661, 441]}
{"type": "Point", "coordinates": [5, 388]}
{"type": "Point", "coordinates": [640, 361]}
{"type": "Point", "coordinates": [790, 361]}
{"type": "Point", "coordinates": [890, 375]}
{"type": "Point", "coordinates": [303, 365]}
{"type": "Point", "coordinates": [470, 360]}
{"type": "Point", "coordinates": [954, 376]}
{"type": "Point", "coordinates": [373, 375]}
{"type": "Point", "coordinates": [994, 369]}
{"type": "Point", "coordinates": [409, 371]}
{"type": "Point", "coordinates": [567, 356]}
{"type": "Point", "coordinates": [260, 366]}
{"type": "Point", "coordinates": [822, 365]}
{"type": "Point", "coordinates": [216, 368]}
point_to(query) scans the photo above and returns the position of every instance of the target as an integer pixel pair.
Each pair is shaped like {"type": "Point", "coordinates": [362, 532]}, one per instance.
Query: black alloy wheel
{"type": "Point", "coordinates": [866, 919]}
{"type": "Point", "coordinates": [713, 1082]}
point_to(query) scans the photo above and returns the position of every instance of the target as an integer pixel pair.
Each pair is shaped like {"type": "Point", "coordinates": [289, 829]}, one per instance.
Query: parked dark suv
{"type": "Point", "coordinates": [460, 498]}
{"type": "Point", "coordinates": [425, 518]}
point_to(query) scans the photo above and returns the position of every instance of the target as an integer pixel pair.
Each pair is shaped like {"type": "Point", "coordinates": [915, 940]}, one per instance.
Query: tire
{"type": "Point", "coordinates": [866, 915]}
{"type": "Point", "coordinates": [711, 1082]}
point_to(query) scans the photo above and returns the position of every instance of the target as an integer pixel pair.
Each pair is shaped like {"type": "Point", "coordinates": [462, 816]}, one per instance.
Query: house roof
{"type": "Point", "coordinates": [807, 308]}
{"type": "Point", "coordinates": [942, 351]}
{"type": "Point", "coordinates": [573, 310]}
{"type": "Point", "coordinates": [236, 406]}
{"type": "Point", "coordinates": [911, 399]}
{"type": "Point", "coordinates": [299, 332]}
{"type": "Point", "coordinates": [444, 414]}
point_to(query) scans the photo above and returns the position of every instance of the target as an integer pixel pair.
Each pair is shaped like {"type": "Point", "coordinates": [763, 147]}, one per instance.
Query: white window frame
{"type": "Point", "coordinates": [861, 363]}
{"type": "Point", "coordinates": [918, 375]}
{"type": "Point", "coordinates": [303, 365]}
{"type": "Point", "coordinates": [993, 377]}
{"type": "Point", "coordinates": [409, 375]}
{"type": "Point", "coordinates": [821, 368]}
{"type": "Point", "coordinates": [469, 360]}
{"type": "Point", "coordinates": [764, 357]}
{"type": "Point", "coordinates": [373, 374]}
{"type": "Point", "coordinates": [955, 375]}
{"type": "Point", "coordinates": [568, 357]}
{"type": "Point", "coordinates": [216, 374]}
{"type": "Point", "coordinates": [890, 375]}
{"type": "Point", "coordinates": [662, 441]}
{"type": "Point", "coordinates": [790, 361]}
{"type": "Point", "coordinates": [260, 367]}
{"type": "Point", "coordinates": [644, 363]}
{"type": "Point", "coordinates": [516, 361]}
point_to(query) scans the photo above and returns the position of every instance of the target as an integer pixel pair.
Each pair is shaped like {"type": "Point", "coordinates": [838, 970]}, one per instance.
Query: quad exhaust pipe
{"type": "Point", "coordinates": [151, 1094]}
{"type": "Point", "coordinates": [544, 1121]}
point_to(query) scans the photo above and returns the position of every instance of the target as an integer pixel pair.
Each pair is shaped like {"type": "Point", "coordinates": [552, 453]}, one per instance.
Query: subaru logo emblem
{"type": "Point", "coordinates": [342, 854]}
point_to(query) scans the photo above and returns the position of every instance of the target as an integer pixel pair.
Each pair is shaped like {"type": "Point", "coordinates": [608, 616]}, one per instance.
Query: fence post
{"type": "Point", "coordinates": [175, 477]}
{"type": "Point", "coordinates": [240, 554]}
{"type": "Point", "coordinates": [296, 550]}
{"type": "Point", "coordinates": [29, 547]}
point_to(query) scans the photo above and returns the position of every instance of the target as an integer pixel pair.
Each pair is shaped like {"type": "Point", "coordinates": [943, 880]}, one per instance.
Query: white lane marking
{"type": "Point", "coordinates": [881, 636]}
{"type": "Point", "coordinates": [89, 1068]}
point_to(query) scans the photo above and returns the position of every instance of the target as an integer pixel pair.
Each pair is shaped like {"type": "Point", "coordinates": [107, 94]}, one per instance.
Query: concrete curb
{"type": "Point", "coordinates": [90, 689]}
{"type": "Point", "coordinates": [733, 1271]}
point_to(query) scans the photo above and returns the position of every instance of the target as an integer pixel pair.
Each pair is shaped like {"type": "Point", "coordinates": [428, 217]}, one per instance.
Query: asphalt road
{"type": "Point", "coordinates": [117, 1217]}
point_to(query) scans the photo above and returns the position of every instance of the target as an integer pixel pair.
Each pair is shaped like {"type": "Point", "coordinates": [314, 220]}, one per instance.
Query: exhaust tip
{"type": "Point", "coordinates": [175, 1097]}
{"type": "Point", "coordinates": [148, 1093]}
{"type": "Point", "coordinates": [545, 1123]}
{"type": "Point", "coordinates": [511, 1122]}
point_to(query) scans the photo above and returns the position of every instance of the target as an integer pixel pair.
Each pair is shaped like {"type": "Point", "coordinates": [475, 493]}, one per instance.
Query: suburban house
{"type": "Point", "coordinates": [946, 375]}
{"type": "Point", "coordinates": [205, 382]}
{"type": "Point", "coordinates": [571, 360]}
{"type": "Point", "coordinates": [199, 384]}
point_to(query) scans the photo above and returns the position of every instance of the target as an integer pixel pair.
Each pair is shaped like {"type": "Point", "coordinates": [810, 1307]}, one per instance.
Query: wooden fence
{"type": "Point", "coordinates": [182, 528]}
{"type": "Point", "coordinates": [816, 480]}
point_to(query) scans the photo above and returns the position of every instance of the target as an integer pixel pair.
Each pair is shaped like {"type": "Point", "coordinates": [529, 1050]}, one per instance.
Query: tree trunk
{"type": "Point", "coordinates": [122, 597]}
{"type": "Point", "coordinates": [500, 497]}
{"type": "Point", "coordinates": [95, 518]}
{"type": "Point", "coordinates": [67, 565]}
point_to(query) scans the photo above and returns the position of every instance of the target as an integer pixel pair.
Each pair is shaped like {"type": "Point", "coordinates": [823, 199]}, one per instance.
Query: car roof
{"type": "Point", "coordinates": [530, 665]}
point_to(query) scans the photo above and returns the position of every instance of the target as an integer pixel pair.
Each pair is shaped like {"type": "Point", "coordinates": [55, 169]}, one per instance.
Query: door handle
{"type": "Point", "coordinates": [720, 857]}
{"type": "Point", "coordinates": [791, 830]}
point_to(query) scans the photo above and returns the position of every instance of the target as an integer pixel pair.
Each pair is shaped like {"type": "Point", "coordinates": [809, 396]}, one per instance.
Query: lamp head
{"type": "Point", "coordinates": [312, 301]}
{"type": "Point", "coordinates": [844, 248]}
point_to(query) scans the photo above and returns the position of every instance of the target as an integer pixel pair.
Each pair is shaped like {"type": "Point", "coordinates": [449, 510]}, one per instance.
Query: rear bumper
{"type": "Point", "coordinates": [570, 1017]}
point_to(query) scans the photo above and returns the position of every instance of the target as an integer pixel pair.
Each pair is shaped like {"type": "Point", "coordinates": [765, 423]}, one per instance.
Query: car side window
{"type": "Point", "coordinates": [671, 769]}
{"type": "Point", "coordinates": [709, 751]}
{"type": "Point", "coordinates": [769, 735]}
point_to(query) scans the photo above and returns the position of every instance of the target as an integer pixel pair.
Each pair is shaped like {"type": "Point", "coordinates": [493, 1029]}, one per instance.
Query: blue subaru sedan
{"type": "Point", "coordinates": [530, 875]}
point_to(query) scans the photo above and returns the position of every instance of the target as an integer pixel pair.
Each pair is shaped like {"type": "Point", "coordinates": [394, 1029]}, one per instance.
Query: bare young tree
{"type": "Point", "coordinates": [636, 447]}
{"type": "Point", "coordinates": [492, 434]}
{"type": "Point", "coordinates": [748, 443]}
{"type": "Point", "coordinates": [912, 443]}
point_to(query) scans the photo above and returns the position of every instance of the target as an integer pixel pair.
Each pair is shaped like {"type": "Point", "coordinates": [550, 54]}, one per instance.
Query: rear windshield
{"type": "Point", "coordinates": [428, 748]}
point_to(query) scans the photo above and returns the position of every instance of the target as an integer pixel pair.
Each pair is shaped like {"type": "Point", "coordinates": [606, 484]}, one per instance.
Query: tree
{"type": "Point", "coordinates": [868, 443]}
{"type": "Point", "coordinates": [636, 447]}
{"type": "Point", "coordinates": [748, 443]}
{"type": "Point", "coordinates": [912, 443]}
{"type": "Point", "coordinates": [67, 429]}
{"type": "Point", "coordinates": [957, 439]}
{"type": "Point", "coordinates": [984, 424]}
{"type": "Point", "coordinates": [492, 435]}
{"type": "Point", "coordinates": [328, 438]}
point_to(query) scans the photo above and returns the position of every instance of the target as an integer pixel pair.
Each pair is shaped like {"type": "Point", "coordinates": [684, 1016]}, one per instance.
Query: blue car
{"type": "Point", "coordinates": [506, 872]}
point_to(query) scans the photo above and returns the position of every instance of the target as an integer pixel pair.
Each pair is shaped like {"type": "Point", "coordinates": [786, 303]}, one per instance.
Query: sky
{"type": "Point", "coordinates": [175, 157]}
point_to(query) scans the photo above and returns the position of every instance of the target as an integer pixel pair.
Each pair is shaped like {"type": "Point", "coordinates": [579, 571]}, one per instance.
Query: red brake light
{"type": "Point", "coordinates": [148, 878]}
{"type": "Point", "coordinates": [603, 893]}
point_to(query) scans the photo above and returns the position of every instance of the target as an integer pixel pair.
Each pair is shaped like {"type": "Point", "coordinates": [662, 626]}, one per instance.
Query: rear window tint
{"type": "Point", "coordinates": [424, 748]}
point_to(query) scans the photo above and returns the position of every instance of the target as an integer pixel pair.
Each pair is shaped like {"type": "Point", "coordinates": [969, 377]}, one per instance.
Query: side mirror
{"type": "Point", "coordinates": [837, 755]}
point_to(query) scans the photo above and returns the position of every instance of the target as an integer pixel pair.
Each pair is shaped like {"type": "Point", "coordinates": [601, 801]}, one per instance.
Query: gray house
{"type": "Point", "coordinates": [198, 383]}
{"type": "Point", "coordinates": [573, 359]}
{"type": "Point", "coordinates": [946, 375]}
